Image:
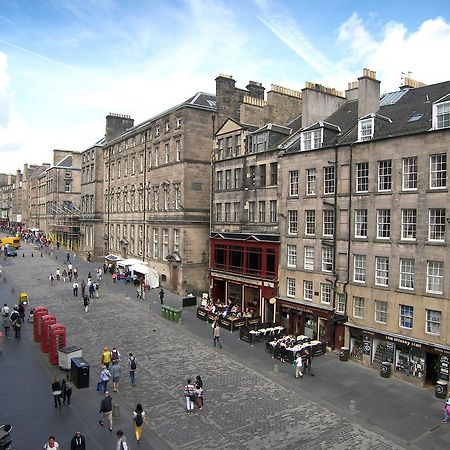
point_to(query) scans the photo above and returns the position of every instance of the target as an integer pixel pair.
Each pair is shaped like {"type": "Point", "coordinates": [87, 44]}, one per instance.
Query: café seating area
{"type": "Point", "coordinates": [287, 348]}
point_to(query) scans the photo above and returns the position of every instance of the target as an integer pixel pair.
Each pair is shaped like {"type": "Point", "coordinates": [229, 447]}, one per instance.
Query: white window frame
{"type": "Point", "coordinates": [325, 293]}
{"type": "Point", "coordinates": [273, 211]}
{"type": "Point", "coordinates": [328, 223]}
{"type": "Point", "coordinates": [382, 271]}
{"type": "Point", "coordinates": [409, 225]}
{"type": "Point", "coordinates": [290, 287]}
{"type": "Point", "coordinates": [329, 180]}
{"type": "Point", "coordinates": [311, 140]}
{"type": "Point", "coordinates": [311, 181]}
{"type": "Point", "coordinates": [436, 224]}
{"type": "Point", "coordinates": [361, 223]}
{"type": "Point", "coordinates": [441, 110]}
{"type": "Point", "coordinates": [438, 171]}
{"type": "Point", "coordinates": [292, 221]}
{"type": "Point", "coordinates": [381, 311]}
{"type": "Point", "coordinates": [293, 183]}
{"type": "Point", "coordinates": [327, 259]}
{"type": "Point", "coordinates": [291, 256]}
{"type": "Point", "coordinates": [362, 177]}
{"type": "Point", "coordinates": [406, 314]}
{"type": "Point", "coordinates": [407, 275]}
{"type": "Point", "coordinates": [309, 258]}
{"type": "Point", "coordinates": [310, 222]}
{"type": "Point", "coordinates": [385, 175]}
{"type": "Point", "coordinates": [359, 269]}
{"type": "Point", "coordinates": [308, 290]}
{"type": "Point", "coordinates": [409, 173]}
{"type": "Point", "coordinates": [383, 223]}
{"type": "Point", "coordinates": [341, 300]}
{"type": "Point", "coordinates": [178, 150]}
{"type": "Point", "coordinates": [359, 305]}
{"type": "Point", "coordinates": [433, 320]}
{"type": "Point", "coordinates": [435, 277]}
{"type": "Point", "coordinates": [366, 129]}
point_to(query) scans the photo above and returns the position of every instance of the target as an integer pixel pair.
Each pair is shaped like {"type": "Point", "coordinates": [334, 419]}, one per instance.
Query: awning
{"type": "Point", "coordinates": [139, 268]}
{"type": "Point", "coordinates": [131, 262]}
{"type": "Point", "coordinates": [113, 258]}
{"type": "Point", "coordinates": [151, 276]}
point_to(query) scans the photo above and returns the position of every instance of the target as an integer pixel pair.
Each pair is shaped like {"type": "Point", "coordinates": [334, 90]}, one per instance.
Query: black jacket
{"type": "Point", "coordinates": [106, 405]}
{"type": "Point", "coordinates": [78, 443]}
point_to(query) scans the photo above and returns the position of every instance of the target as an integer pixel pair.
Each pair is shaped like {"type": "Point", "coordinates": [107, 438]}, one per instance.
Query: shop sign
{"type": "Point", "coordinates": [302, 308]}
{"type": "Point", "coordinates": [366, 345]}
{"type": "Point", "coordinates": [268, 284]}
{"type": "Point", "coordinates": [403, 341]}
{"type": "Point", "coordinates": [443, 367]}
{"type": "Point", "coordinates": [390, 352]}
{"type": "Point", "coordinates": [223, 276]}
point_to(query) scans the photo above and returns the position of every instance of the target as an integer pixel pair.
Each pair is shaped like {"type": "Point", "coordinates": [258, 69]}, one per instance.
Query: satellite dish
{"type": "Point", "coordinates": [273, 300]}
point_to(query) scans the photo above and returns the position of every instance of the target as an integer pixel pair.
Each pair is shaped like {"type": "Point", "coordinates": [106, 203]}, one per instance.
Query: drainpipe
{"type": "Point", "coordinates": [350, 216]}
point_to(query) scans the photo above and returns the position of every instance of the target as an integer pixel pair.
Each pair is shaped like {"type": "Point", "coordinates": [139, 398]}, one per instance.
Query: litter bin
{"type": "Point", "coordinates": [440, 389]}
{"type": "Point", "coordinates": [385, 369]}
{"type": "Point", "coordinates": [79, 372]}
{"type": "Point", "coordinates": [66, 354]}
{"type": "Point", "coordinates": [177, 314]}
{"type": "Point", "coordinates": [170, 314]}
{"type": "Point", "coordinates": [344, 353]}
{"type": "Point", "coordinates": [164, 311]}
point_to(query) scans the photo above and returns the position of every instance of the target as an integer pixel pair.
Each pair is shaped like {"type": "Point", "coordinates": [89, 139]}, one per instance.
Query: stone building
{"type": "Point", "coordinates": [364, 260]}
{"type": "Point", "coordinates": [157, 192]}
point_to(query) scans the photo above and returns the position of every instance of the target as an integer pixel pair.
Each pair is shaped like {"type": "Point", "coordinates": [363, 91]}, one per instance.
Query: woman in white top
{"type": "Point", "coordinates": [138, 419]}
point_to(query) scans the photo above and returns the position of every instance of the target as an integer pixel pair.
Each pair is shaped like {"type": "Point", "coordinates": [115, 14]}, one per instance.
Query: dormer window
{"type": "Point", "coordinates": [311, 139]}
{"type": "Point", "coordinates": [441, 116]}
{"type": "Point", "coordinates": [365, 129]}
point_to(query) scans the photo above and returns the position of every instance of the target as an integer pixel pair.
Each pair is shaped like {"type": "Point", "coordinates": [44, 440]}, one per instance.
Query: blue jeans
{"type": "Point", "coordinates": [132, 377]}
{"type": "Point", "coordinates": [217, 339]}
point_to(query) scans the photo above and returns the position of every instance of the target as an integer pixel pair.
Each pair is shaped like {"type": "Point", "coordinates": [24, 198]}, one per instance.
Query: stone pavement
{"type": "Point", "coordinates": [246, 404]}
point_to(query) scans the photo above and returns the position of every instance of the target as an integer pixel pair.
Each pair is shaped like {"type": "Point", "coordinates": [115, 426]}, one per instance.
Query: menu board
{"type": "Point", "coordinates": [443, 367]}
{"type": "Point", "coordinates": [366, 345]}
{"type": "Point", "coordinates": [390, 352]}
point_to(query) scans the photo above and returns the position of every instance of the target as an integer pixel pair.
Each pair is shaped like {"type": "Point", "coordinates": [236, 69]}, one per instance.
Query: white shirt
{"type": "Point", "coordinates": [5, 310]}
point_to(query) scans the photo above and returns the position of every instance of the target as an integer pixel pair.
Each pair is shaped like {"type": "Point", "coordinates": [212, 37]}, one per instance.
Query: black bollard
{"type": "Point", "coordinates": [23, 255]}
{"type": "Point", "coordinates": [41, 255]}
{"type": "Point", "coordinates": [32, 255]}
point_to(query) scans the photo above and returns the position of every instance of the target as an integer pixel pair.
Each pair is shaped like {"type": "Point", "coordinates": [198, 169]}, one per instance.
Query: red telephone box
{"type": "Point", "coordinates": [57, 341]}
{"type": "Point", "coordinates": [46, 321]}
{"type": "Point", "coordinates": [39, 311]}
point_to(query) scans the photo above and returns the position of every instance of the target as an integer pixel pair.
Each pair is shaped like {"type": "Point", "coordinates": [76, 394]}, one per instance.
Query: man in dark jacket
{"type": "Point", "coordinates": [78, 442]}
{"type": "Point", "coordinates": [106, 410]}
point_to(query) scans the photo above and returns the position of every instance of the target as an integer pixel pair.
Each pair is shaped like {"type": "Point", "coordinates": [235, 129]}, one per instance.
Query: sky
{"type": "Point", "coordinates": [66, 64]}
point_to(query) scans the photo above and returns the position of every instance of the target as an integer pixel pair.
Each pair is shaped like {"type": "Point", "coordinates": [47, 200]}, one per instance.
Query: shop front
{"type": "Point", "coordinates": [417, 361]}
{"type": "Point", "coordinates": [312, 321]}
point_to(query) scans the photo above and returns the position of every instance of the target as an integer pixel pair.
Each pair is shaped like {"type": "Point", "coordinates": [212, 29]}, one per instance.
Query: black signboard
{"type": "Point", "coordinates": [366, 345]}
{"type": "Point", "coordinates": [226, 323]}
{"type": "Point", "coordinates": [202, 314]}
{"type": "Point", "coordinates": [390, 351]}
{"type": "Point", "coordinates": [244, 334]}
{"type": "Point", "coordinates": [238, 324]}
{"type": "Point", "coordinates": [443, 367]}
{"type": "Point", "coordinates": [253, 320]}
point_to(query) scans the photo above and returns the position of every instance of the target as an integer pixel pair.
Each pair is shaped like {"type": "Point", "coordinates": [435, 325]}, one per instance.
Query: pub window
{"type": "Point", "coordinates": [219, 257]}
{"type": "Point", "coordinates": [254, 261]}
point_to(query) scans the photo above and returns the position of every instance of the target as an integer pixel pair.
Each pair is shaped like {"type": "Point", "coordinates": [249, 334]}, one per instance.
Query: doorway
{"type": "Point", "coordinates": [431, 369]}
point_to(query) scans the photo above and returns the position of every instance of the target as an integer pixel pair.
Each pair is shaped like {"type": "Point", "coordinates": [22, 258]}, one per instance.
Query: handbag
{"type": "Point", "coordinates": [99, 386]}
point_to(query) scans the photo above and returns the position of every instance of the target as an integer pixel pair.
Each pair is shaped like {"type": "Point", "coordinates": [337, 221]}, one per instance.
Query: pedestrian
{"type": "Point", "coordinates": [138, 418]}
{"type": "Point", "coordinates": [199, 381]}
{"type": "Point", "coordinates": [66, 387]}
{"type": "Point", "coordinates": [189, 395]}
{"type": "Point", "coordinates": [91, 290]}
{"type": "Point", "coordinates": [64, 275]}
{"type": "Point", "coordinates": [115, 373]}
{"type": "Point", "coordinates": [115, 356]}
{"type": "Point", "coordinates": [88, 257]}
{"type": "Point", "coordinates": [75, 288]}
{"type": "Point", "coordinates": [86, 303]}
{"type": "Point", "coordinates": [106, 357]}
{"type": "Point", "coordinates": [198, 392]}
{"type": "Point", "coordinates": [121, 441]}
{"type": "Point", "coordinates": [96, 289]}
{"type": "Point", "coordinates": [17, 325]}
{"type": "Point", "coordinates": [78, 442]}
{"type": "Point", "coordinates": [106, 410]}
{"type": "Point", "coordinates": [132, 364]}
{"type": "Point", "coordinates": [75, 273]}
{"type": "Point", "coordinates": [83, 288]}
{"type": "Point", "coordinates": [161, 296]}
{"type": "Point", "coordinates": [51, 443]}
{"type": "Point", "coordinates": [21, 309]}
{"type": "Point", "coordinates": [68, 257]}
{"type": "Point", "coordinates": [307, 362]}
{"type": "Point", "coordinates": [5, 310]}
{"type": "Point", "coordinates": [114, 277]}
{"type": "Point", "coordinates": [56, 389]}
{"type": "Point", "coordinates": [216, 334]}
{"type": "Point", "coordinates": [105, 375]}
{"type": "Point", "coordinates": [51, 278]}
{"type": "Point", "coordinates": [298, 363]}
{"type": "Point", "coordinates": [7, 325]}
{"type": "Point", "coordinates": [446, 410]}
{"type": "Point", "coordinates": [58, 275]}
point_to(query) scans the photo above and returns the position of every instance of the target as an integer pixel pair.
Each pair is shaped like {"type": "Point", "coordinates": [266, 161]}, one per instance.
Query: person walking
{"type": "Point", "coordinates": [307, 362]}
{"type": "Point", "coordinates": [66, 387]}
{"type": "Point", "coordinates": [7, 325]}
{"type": "Point", "coordinates": [122, 443]}
{"type": "Point", "coordinates": [161, 296]}
{"type": "Point", "coordinates": [56, 390]}
{"type": "Point", "coordinates": [298, 362]}
{"type": "Point", "coordinates": [105, 375]}
{"type": "Point", "coordinates": [106, 357]}
{"type": "Point", "coordinates": [216, 334]}
{"type": "Point", "coordinates": [58, 275]}
{"type": "Point", "coordinates": [17, 325]}
{"type": "Point", "coordinates": [115, 372]}
{"type": "Point", "coordinates": [189, 395]}
{"type": "Point", "coordinates": [91, 290]}
{"type": "Point", "coordinates": [64, 275]}
{"type": "Point", "coordinates": [75, 289]}
{"type": "Point", "coordinates": [132, 365]}
{"type": "Point", "coordinates": [21, 310]}
{"type": "Point", "coordinates": [83, 288]}
{"type": "Point", "coordinates": [5, 310]}
{"type": "Point", "coordinates": [75, 273]}
{"type": "Point", "coordinates": [446, 411]}
{"type": "Point", "coordinates": [115, 356]}
{"type": "Point", "coordinates": [139, 418]}
{"type": "Point", "coordinates": [78, 442]}
{"type": "Point", "coordinates": [86, 303]}
{"type": "Point", "coordinates": [198, 392]}
{"type": "Point", "coordinates": [68, 257]}
{"type": "Point", "coordinates": [51, 278]}
{"type": "Point", "coordinates": [96, 289]}
{"type": "Point", "coordinates": [51, 444]}
{"type": "Point", "coordinates": [106, 410]}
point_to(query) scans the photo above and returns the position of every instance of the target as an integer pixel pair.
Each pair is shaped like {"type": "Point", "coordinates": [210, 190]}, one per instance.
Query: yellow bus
{"type": "Point", "coordinates": [12, 241]}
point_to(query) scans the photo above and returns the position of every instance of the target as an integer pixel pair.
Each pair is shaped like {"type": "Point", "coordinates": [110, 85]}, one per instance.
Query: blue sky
{"type": "Point", "coordinates": [65, 64]}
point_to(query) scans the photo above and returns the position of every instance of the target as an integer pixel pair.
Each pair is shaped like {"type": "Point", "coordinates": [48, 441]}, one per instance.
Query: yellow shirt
{"type": "Point", "coordinates": [106, 357]}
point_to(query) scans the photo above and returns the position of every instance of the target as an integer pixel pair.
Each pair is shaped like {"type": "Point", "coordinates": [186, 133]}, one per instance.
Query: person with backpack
{"type": "Point", "coordinates": [138, 418]}
{"type": "Point", "coordinates": [115, 372]}
{"type": "Point", "coordinates": [132, 368]}
{"type": "Point", "coordinates": [115, 356]}
{"type": "Point", "coordinates": [189, 395]}
{"type": "Point", "coordinates": [16, 322]}
{"type": "Point", "coordinates": [66, 388]}
{"type": "Point", "coordinates": [105, 375]}
{"type": "Point", "coordinates": [86, 302]}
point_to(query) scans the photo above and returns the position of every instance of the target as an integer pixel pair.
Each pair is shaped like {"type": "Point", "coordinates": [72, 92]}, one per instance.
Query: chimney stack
{"type": "Point", "coordinates": [116, 124]}
{"type": "Point", "coordinates": [352, 91]}
{"type": "Point", "coordinates": [368, 93]}
{"type": "Point", "coordinates": [255, 89]}
{"type": "Point", "coordinates": [409, 83]}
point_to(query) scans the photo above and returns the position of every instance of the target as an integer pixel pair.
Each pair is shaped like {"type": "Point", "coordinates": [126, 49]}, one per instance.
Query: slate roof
{"type": "Point", "coordinates": [273, 127]}
{"type": "Point", "coordinates": [246, 236]}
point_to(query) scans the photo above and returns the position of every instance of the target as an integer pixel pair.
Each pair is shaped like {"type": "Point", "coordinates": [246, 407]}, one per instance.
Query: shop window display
{"type": "Point", "coordinates": [409, 361]}
{"type": "Point", "coordinates": [356, 350]}
{"type": "Point", "coordinates": [309, 326]}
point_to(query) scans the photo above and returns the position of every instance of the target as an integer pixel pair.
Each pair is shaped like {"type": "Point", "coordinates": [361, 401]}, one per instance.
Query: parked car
{"type": "Point", "coordinates": [10, 251]}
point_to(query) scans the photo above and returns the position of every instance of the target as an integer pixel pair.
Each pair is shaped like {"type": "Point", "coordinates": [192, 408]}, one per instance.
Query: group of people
{"type": "Point", "coordinates": [13, 320]}
{"type": "Point", "coordinates": [193, 394]}
{"type": "Point", "coordinates": [78, 442]}
{"type": "Point", "coordinates": [62, 390]}
{"type": "Point", "coordinates": [229, 310]}
{"type": "Point", "coordinates": [111, 369]}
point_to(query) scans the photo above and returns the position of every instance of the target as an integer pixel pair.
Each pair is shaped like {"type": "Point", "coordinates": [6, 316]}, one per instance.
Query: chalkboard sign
{"type": "Point", "coordinates": [390, 352]}
{"type": "Point", "coordinates": [443, 367]}
{"type": "Point", "coordinates": [366, 345]}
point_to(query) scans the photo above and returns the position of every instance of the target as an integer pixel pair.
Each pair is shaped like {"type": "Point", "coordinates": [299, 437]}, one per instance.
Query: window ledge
{"type": "Point", "coordinates": [384, 192]}
{"type": "Point", "coordinates": [404, 242]}
{"type": "Point", "coordinates": [437, 243]}
{"type": "Point", "coordinates": [432, 190]}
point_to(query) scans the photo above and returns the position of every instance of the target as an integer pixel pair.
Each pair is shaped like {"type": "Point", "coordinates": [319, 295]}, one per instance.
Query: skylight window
{"type": "Point", "coordinates": [415, 117]}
